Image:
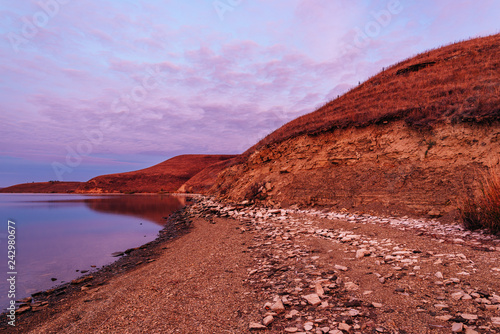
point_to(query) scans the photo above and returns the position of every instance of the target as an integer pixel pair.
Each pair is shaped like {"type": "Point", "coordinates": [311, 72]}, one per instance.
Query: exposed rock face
{"type": "Point", "coordinates": [384, 168]}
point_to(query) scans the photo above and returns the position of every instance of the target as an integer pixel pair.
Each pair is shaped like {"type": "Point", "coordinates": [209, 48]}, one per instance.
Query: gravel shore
{"type": "Point", "coordinates": [243, 268]}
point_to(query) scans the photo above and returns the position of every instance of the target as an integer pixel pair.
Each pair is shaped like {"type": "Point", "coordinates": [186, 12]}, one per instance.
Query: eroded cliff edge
{"type": "Point", "coordinates": [390, 168]}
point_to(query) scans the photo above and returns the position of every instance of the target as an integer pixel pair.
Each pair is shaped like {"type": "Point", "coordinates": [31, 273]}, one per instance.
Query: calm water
{"type": "Point", "coordinates": [56, 235]}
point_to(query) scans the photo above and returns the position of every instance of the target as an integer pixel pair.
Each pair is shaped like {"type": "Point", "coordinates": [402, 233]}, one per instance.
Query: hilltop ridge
{"type": "Point", "coordinates": [453, 84]}
{"type": "Point", "coordinates": [413, 139]}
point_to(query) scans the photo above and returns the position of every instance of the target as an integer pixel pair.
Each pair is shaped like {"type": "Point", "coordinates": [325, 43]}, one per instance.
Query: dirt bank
{"type": "Point", "coordinates": [387, 168]}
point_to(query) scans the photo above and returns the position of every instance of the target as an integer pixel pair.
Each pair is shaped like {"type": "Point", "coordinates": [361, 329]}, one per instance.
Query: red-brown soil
{"type": "Point", "coordinates": [205, 179]}
{"type": "Point", "coordinates": [167, 176]}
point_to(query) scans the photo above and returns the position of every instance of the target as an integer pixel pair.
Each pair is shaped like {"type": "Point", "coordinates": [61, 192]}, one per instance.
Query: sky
{"type": "Point", "coordinates": [102, 86]}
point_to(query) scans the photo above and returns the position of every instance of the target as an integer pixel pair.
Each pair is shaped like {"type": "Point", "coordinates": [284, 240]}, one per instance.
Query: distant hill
{"type": "Point", "coordinates": [201, 182]}
{"type": "Point", "coordinates": [166, 176]}
{"type": "Point", "coordinates": [42, 187]}
{"type": "Point", "coordinates": [414, 139]}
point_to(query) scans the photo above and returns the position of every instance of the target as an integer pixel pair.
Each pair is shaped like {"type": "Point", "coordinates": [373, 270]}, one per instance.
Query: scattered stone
{"type": "Point", "coordinates": [291, 314]}
{"type": "Point", "coordinates": [350, 286]}
{"type": "Point", "coordinates": [457, 327]}
{"type": "Point", "coordinates": [467, 316]}
{"type": "Point", "coordinates": [268, 320]}
{"type": "Point", "coordinates": [312, 299]}
{"type": "Point", "coordinates": [457, 295]}
{"type": "Point", "coordinates": [291, 329]}
{"type": "Point", "coordinates": [256, 326]}
{"type": "Point", "coordinates": [470, 331]}
{"type": "Point", "coordinates": [362, 253]}
{"type": "Point", "coordinates": [25, 300]}
{"type": "Point", "coordinates": [441, 306]}
{"type": "Point", "coordinates": [439, 275]}
{"type": "Point", "coordinates": [308, 326]}
{"type": "Point", "coordinates": [377, 305]}
{"type": "Point", "coordinates": [339, 267]}
{"type": "Point", "coordinates": [344, 327]}
{"type": "Point", "coordinates": [23, 309]}
{"type": "Point", "coordinates": [278, 307]}
{"type": "Point", "coordinates": [81, 280]}
{"type": "Point", "coordinates": [319, 289]}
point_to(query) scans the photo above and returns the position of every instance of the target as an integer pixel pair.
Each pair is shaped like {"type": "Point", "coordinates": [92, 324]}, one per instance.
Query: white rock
{"type": "Point", "coordinates": [291, 329]}
{"type": "Point", "coordinates": [362, 253]}
{"type": "Point", "coordinates": [256, 325]}
{"type": "Point", "coordinates": [469, 316]}
{"type": "Point", "coordinates": [350, 286]}
{"type": "Point", "coordinates": [441, 306]}
{"type": "Point", "coordinates": [308, 326]}
{"type": "Point", "coordinates": [268, 320]}
{"type": "Point", "coordinates": [319, 289]}
{"type": "Point", "coordinates": [457, 295]}
{"type": "Point", "coordinates": [470, 331]}
{"type": "Point", "coordinates": [439, 275]}
{"type": "Point", "coordinates": [344, 327]}
{"type": "Point", "coordinates": [312, 299]}
{"type": "Point", "coordinates": [339, 267]}
{"type": "Point", "coordinates": [291, 314]}
{"type": "Point", "coordinates": [457, 327]}
{"type": "Point", "coordinates": [353, 313]}
{"type": "Point", "coordinates": [377, 305]}
{"type": "Point", "coordinates": [278, 307]}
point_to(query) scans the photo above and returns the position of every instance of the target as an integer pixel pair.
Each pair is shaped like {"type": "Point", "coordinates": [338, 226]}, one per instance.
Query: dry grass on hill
{"type": "Point", "coordinates": [456, 83]}
{"type": "Point", "coordinates": [167, 176]}
{"type": "Point", "coordinates": [42, 187]}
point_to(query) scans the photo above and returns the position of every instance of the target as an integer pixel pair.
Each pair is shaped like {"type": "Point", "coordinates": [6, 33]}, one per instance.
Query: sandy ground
{"type": "Point", "coordinates": [196, 285]}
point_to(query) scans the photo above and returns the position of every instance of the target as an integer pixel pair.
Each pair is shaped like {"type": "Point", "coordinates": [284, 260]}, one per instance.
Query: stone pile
{"type": "Point", "coordinates": [304, 293]}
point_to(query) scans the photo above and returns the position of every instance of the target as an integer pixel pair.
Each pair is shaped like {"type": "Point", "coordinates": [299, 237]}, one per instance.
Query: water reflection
{"type": "Point", "coordinates": [59, 235]}
{"type": "Point", "coordinates": [150, 207]}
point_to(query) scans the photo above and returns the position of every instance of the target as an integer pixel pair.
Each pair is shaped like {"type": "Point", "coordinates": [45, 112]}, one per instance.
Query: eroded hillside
{"type": "Point", "coordinates": [417, 138]}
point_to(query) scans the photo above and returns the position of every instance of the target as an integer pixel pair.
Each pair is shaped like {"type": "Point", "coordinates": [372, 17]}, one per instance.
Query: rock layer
{"type": "Point", "coordinates": [386, 168]}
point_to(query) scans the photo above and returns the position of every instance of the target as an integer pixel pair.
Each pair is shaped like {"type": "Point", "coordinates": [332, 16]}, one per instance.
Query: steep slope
{"type": "Point", "coordinates": [456, 83]}
{"type": "Point", "coordinates": [413, 139]}
{"type": "Point", "coordinates": [42, 187]}
{"type": "Point", "coordinates": [167, 176]}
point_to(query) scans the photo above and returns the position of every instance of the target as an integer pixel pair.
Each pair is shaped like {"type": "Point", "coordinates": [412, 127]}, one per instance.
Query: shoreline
{"type": "Point", "coordinates": [243, 268]}
{"type": "Point", "coordinates": [176, 226]}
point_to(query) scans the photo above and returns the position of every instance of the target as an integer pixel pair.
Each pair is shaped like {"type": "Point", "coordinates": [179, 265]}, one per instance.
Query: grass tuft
{"type": "Point", "coordinates": [483, 211]}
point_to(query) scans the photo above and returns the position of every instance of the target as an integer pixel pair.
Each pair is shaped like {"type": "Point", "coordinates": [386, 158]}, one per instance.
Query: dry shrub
{"type": "Point", "coordinates": [483, 211]}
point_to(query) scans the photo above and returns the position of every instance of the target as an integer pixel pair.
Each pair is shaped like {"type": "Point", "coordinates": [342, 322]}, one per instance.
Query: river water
{"type": "Point", "coordinates": [58, 236]}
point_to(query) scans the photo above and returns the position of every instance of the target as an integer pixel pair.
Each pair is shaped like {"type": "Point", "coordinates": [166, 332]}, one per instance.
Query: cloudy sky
{"type": "Point", "coordinates": [101, 86]}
